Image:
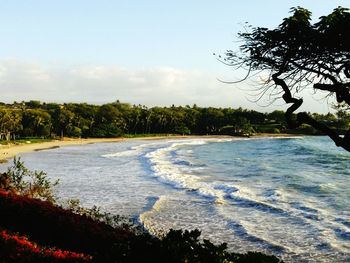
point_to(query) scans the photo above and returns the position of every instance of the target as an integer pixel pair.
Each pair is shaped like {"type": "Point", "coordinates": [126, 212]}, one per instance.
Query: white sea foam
{"type": "Point", "coordinates": [167, 171]}
{"type": "Point", "coordinates": [305, 210]}
{"type": "Point", "coordinates": [151, 226]}
{"type": "Point", "coordinates": [132, 151]}
{"type": "Point", "coordinates": [121, 154]}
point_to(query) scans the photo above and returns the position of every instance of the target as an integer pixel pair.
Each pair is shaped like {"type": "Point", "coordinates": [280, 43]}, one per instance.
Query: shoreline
{"type": "Point", "coordinates": [11, 150]}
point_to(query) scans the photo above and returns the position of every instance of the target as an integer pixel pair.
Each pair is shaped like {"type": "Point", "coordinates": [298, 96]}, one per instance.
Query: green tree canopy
{"type": "Point", "coordinates": [300, 54]}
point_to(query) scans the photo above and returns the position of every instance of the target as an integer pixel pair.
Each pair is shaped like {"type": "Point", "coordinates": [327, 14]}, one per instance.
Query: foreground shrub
{"type": "Point", "coordinates": [186, 246]}
{"type": "Point", "coordinates": [53, 226]}
{"type": "Point", "coordinates": [19, 180]}
{"type": "Point", "coordinates": [15, 248]}
{"type": "Point", "coordinates": [95, 213]}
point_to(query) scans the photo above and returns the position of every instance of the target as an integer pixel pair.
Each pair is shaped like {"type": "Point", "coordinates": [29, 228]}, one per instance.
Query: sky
{"type": "Point", "coordinates": [141, 52]}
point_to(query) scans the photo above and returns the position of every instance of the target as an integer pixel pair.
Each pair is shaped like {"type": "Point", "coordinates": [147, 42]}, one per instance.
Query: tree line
{"type": "Point", "coordinates": [50, 120]}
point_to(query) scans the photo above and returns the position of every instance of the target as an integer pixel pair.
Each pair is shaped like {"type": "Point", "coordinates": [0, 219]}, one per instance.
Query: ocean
{"type": "Point", "coordinates": [284, 196]}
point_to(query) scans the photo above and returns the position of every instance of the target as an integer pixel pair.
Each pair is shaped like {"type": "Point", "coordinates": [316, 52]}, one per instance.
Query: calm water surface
{"type": "Point", "coordinates": [285, 196]}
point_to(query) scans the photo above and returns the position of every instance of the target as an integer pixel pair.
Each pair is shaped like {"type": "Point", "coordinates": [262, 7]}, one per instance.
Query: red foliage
{"type": "Point", "coordinates": [18, 248]}
{"type": "Point", "coordinates": [53, 226]}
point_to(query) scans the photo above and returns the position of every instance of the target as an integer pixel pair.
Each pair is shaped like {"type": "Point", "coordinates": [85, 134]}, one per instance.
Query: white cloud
{"type": "Point", "coordinates": [161, 86]}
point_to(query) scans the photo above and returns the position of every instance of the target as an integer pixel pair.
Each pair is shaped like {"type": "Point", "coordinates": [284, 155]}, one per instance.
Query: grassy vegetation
{"type": "Point", "coordinates": [272, 127]}
{"type": "Point", "coordinates": [142, 135]}
{"type": "Point", "coordinates": [26, 140]}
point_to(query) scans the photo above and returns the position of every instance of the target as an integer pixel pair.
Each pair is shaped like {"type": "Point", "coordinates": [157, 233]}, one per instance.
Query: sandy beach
{"type": "Point", "coordinates": [11, 150]}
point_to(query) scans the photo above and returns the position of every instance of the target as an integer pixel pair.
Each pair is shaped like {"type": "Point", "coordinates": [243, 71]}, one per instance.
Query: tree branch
{"type": "Point", "coordinates": [303, 117]}
{"type": "Point", "coordinates": [287, 97]}
{"type": "Point", "coordinates": [344, 142]}
{"type": "Point", "coordinates": [342, 93]}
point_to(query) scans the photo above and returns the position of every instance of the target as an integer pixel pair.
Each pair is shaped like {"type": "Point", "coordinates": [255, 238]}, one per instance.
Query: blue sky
{"type": "Point", "coordinates": [100, 51]}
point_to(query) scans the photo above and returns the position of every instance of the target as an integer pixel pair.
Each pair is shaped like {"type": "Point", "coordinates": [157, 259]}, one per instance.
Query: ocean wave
{"type": "Point", "coordinates": [121, 154]}
{"type": "Point", "coordinates": [343, 221]}
{"type": "Point", "coordinates": [178, 173]}
{"type": "Point", "coordinates": [242, 232]}
{"type": "Point", "coordinates": [154, 205]}
{"type": "Point", "coordinates": [244, 201]}
{"type": "Point", "coordinates": [131, 151]}
{"type": "Point", "coordinates": [342, 233]}
{"type": "Point", "coordinates": [169, 171]}
{"type": "Point", "coordinates": [183, 162]}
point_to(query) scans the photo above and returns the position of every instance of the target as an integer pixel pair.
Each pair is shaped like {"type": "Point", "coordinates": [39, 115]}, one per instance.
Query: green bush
{"type": "Point", "coordinates": [20, 180]}
{"type": "Point", "coordinates": [75, 132]}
